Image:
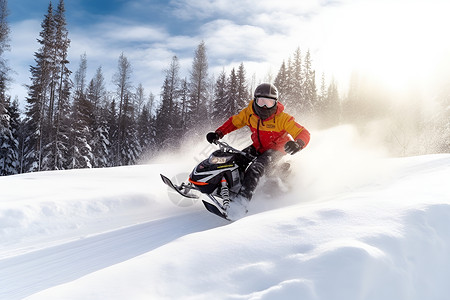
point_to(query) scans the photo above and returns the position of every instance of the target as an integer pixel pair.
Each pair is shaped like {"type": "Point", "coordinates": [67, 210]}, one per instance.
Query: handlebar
{"type": "Point", "coordinates": [226, 147]}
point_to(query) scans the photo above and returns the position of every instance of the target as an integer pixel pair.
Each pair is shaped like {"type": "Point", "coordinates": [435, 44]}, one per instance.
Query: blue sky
{"type": "Point", "coordinates": [382, 38]}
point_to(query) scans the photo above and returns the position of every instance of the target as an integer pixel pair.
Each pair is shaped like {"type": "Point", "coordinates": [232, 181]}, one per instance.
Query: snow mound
{"type": "Point", "coordinates": [387, 237]}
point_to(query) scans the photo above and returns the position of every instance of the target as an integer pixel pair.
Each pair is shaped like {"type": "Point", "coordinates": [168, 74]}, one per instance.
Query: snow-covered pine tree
{"type": "Point", "coordinates": [48, 97]}
{"type": "Point", "coordinates": [13, 156]}
{"type": "Point", "coordinates": [56, 149]}
{"type": "Point", "coordinates": [83, 121]}
{"type": "Point", "coordinates": [9, 120]}
{"type": "Point", "coordinates": [38, 96]}
{"type": "Point", "coordinates": [99, 142]}
{"type": "Point", "coordinates": [5, 137]}
{"type": "Point", "coordinates": [4, 46]}
{"type": "Point", "coordinates": [113, 132]}
{"type": "Point", "coordinates": [9, 144]}
{"type": "Point", "coordinates": [16, 124]}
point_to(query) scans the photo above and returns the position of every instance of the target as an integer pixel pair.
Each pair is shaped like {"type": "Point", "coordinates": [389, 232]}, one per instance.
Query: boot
{"type": "Point", "coordinates": [254, 172]}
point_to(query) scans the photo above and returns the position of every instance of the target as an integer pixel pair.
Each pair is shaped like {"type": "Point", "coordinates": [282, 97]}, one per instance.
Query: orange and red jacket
{"type": "Point", "coordinates": [271, 133]}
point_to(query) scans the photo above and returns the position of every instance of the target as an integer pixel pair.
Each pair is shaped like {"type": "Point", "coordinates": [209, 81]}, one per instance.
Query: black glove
{"type": "Point", "coordinates": [212, 137]}
{"type": "Point", "coordinates": [293, 147]}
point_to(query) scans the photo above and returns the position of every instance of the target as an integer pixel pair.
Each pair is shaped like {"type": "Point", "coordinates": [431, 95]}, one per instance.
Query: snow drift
{"type": "Point", "coordinates": [354, 225]}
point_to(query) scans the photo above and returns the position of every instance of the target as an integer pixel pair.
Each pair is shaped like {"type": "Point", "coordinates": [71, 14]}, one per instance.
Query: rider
{"type": "Point", "coordinates": [270, 127]}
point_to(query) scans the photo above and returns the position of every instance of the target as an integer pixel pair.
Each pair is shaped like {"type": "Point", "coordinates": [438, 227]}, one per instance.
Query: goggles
{"type": "Point", "coordinates": [267, 102]}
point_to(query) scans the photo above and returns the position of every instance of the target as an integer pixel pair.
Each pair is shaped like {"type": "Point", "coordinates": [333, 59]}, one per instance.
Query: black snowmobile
{"type": "Point", "coordinates": [219, 177]}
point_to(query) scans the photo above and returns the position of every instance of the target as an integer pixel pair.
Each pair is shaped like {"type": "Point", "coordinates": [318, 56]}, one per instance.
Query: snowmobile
{"type": "Point", "coordinates": [219, 177]}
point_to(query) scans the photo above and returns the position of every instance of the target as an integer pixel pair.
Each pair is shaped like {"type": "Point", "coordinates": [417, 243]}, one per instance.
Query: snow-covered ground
{"type": "Point", "coordinates": [354, 225]}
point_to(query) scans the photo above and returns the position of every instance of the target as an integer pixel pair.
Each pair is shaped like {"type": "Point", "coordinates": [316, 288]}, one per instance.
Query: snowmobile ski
{"type": "Point", "coordinates": [213, 209]}
{"type": "Point", "coordinates": [182, 190]}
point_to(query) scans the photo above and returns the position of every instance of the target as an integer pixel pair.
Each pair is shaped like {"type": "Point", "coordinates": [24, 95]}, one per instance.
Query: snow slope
{"type": "Point", "coordinates": [353, 226]}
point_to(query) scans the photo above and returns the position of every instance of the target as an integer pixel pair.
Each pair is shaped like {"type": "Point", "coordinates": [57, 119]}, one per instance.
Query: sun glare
{"type": "Point", "coordinates": [398, 46]}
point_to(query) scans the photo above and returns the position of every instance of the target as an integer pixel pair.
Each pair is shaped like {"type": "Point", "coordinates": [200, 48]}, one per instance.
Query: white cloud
{"type": "Point", "coordinates": [123, 33]}
{"type": "Point", "coordinates": [21, 57]}
{"type": "Point", "coordinates": [247, 9]}
{"type": "Point", "coordinates": [265, 32]}
{"type": "Point", "coordinates": [229, 40]}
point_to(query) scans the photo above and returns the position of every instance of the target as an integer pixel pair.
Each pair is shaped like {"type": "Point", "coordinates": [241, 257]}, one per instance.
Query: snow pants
{"type": "Point", "coordinates": [257, 169]}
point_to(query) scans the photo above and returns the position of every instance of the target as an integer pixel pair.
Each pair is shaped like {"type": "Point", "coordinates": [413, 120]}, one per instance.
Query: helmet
{"type": "Point", "coordinates": [267, 90]}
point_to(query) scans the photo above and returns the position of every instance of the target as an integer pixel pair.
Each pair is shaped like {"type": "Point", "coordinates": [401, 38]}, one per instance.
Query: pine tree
{"type": "Point", "coordinates": [47, 108]}
{"type": "Point", "coordinates": [96, 95]}
{"type": "Point", "coordinates": [184, 96]}
{"type": "Point", "coordinates": [168, 120]}
{"type": "Point", "coordinates": [145, 129]}
{"type": "Point", "coordinates": [140, 98]}
{"type": "Point", "coordinates": [4, 116]}
{"type": "Point", "coordinates": [113, 132]}
{"type": "Point", "coordinates": [83, 121]}
{"type": "Point", "coordinates": [8, 121]}
{"type": "Point", "coordinates": [80, 76]}
{"type": "Point", "coordinates": [131, 148]}
{"type": "Point", "coordinates": [243, 95]}
{"type": "Point", "coordinates": [9, 143]}
{"type": "Point", "coordinates": [123, 84]}
{"type": "Point", "coordinates": [96, 91]}
{"type": "Point", "coordinates": [210, 92]}
{"type": "Point", "coordinates": [4, 46]}
{"type": "Point", "coordinates": [100, 140]}
{"type": "Point", "coordinates": [152, 102]}
{"type": "Point", "coordinates": [289, 99]}
{"type": "Point", "coordinates": [15, 123]}
{"type": "Point", "coordinates": [198, 88]}
{"type": "Point", "coordinates": [281, 82]}
{"type": "Point", "coordinates": [232, 94]}
{"type": "Point", "coordinates": [297, 80]}
{"type": "Point", "coordinates": [218, 114]}
{"type": "Point", "coordinates": [309, 87]}
{"type": "Point", "coordinates": [37, 96]}
{"type": "Point", "coordinates": [56, 150]}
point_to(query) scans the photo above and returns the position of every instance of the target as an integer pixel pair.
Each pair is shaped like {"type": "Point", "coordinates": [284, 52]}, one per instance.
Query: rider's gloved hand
{"type": "Point", "coordinates": [293, 147]}
{"type": "Point", "coordinates": [213, 137]}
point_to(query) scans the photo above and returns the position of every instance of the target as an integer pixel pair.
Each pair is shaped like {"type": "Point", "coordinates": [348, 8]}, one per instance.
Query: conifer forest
{"type": "Point", "coordinates": [71, 121]}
